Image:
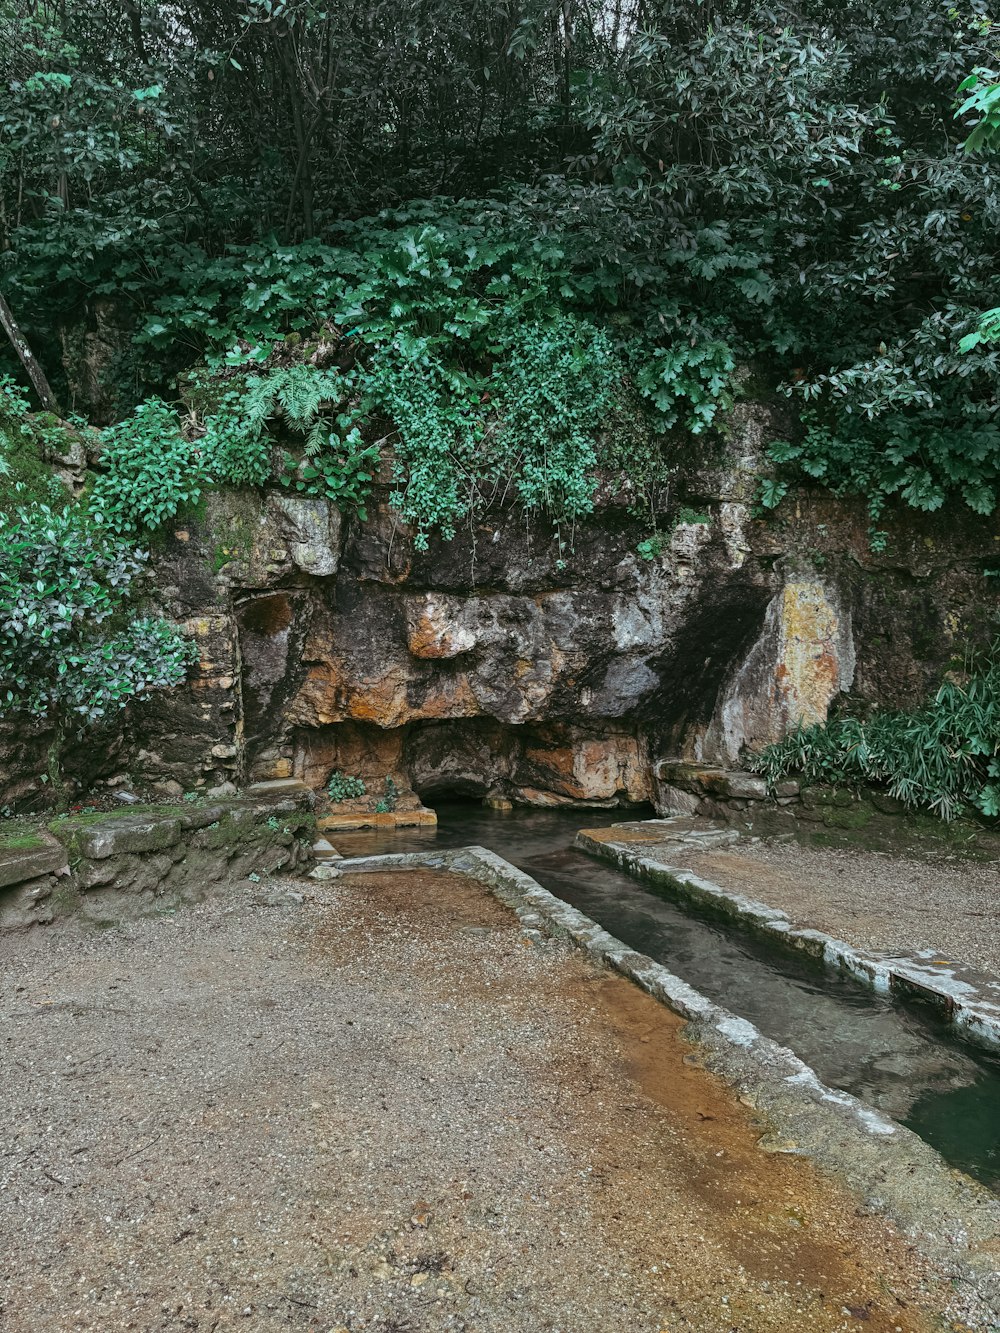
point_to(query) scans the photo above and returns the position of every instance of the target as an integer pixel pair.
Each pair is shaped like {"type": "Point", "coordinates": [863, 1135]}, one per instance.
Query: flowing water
{"type": "Point", "coordinates": [892, 1056]}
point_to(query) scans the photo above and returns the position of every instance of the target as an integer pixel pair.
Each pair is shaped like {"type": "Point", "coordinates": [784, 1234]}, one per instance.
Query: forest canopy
{"type": "Point", "coordinates": [478, 204]}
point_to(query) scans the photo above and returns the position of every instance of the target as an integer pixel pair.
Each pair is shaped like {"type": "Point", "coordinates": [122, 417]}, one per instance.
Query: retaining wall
{"type": "Point", "coordinates": [109, 864]}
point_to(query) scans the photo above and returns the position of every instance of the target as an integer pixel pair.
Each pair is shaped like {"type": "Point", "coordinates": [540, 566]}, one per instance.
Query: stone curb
{"type": "Point", "coordinates": [951, 1218]}
{"type": "Point", "coordinates": [968, 1000]}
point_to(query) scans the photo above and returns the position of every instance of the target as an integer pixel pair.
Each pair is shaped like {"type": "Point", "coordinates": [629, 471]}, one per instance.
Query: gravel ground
{"type": "Point", "coordinates": [386, 1108]}
{"type": "Point", "coordinates": [872, 900]}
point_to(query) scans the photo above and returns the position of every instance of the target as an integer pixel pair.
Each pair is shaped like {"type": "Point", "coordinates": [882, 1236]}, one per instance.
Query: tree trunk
{"type": "Point", "coordinates": [20, 345]}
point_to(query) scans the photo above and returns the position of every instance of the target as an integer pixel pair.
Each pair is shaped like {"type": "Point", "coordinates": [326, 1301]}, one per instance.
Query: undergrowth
{"type": "Point", "coordinates": [943, 757]}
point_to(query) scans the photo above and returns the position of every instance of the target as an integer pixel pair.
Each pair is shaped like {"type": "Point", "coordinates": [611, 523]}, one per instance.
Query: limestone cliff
{"type": "Point", "coordinates": [489, 665]}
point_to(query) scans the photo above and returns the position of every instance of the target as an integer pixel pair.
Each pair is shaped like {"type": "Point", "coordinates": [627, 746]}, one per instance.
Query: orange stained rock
{"type": "Point", "coordinates": [808, 673]}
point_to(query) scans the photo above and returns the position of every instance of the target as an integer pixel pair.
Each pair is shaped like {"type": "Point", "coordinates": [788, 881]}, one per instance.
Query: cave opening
{"type": "Point", "coordinates": [545, 765]}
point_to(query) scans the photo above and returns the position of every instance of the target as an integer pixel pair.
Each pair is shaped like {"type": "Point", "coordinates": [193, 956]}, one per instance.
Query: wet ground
{"type": "Point", "coordinates": [383, 1107]}
{"type": "Point", "coordinates": [901, 1060]}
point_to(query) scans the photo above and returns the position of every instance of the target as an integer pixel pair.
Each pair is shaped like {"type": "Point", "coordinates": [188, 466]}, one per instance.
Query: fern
{"type": "Point", "coordinates": [943, 757]}
{"type": "Point", "coordinates": [236, 443]}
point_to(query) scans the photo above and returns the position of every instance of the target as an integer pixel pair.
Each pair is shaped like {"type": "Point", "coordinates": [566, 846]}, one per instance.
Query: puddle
{"type": "Point", "coordinates": [891, 1056]}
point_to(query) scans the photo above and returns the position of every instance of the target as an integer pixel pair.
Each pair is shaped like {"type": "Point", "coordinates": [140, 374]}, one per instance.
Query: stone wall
{"type": "Point", "coordinates": [493, 665]}
{"type": "Point", "coordinates": [109, 865]}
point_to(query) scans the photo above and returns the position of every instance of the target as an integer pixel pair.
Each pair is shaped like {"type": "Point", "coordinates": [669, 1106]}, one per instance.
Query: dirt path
{"type": "Point", "coordinates": [388, 1109]}
{"type": "Point", "coordinates": [873, 900]}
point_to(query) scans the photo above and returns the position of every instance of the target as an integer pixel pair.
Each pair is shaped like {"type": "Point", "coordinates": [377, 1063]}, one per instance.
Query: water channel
{"type": "Point", "coordinates": [895, 1057]}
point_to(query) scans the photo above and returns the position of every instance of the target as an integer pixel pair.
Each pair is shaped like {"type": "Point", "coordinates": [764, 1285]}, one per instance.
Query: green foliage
{"type": "Point", "coordinates": [699, 185]}
{"type": "Point", "coordinates": [688, 384]}
{"type": "Point", "coordinates": [342, 473]}
{"type": "Point", "coordinates": [944, 757]}
{"type": "Point", "coordinates": [389, 799]}
{"type": "Point", "coordinates": [555, 393]}
{"type": "Point", "coordinates": [62, 581]}
{"type": "Point", "coordinates": [924, 461]}
{"type": "Point", "coordinates": [691, 516]}
{"type": "Point", "coordinates": [652, 547]}
{"type": "Point", "coordinates": [342, 787]}
{"type": "Point", "coordinates": [454, 334]}
{"type": "Point", "coordinates": [531, 424]}
{"type": "Point", "coordinates": [987, 331]}
{"type": "Point", "coordinates": [68, 653]}
{"type": "Point", "coordinates": [983, 101]}
{"type": "Point", "coordinates": [149, 470]}
{"type": "Point", "coordinates": [298, 398]}
{"type": "Point", "coordinates": [295, 394]}
{"type": "Point", "coordinates": [232, 449]}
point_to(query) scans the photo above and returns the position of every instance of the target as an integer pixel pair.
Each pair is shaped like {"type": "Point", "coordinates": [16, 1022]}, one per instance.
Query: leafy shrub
{"type": "Point", "coordinates": [341, 473]}
{"type": "Point", "coordinates": [551, 400]}
{"type": "Point", "coordinates": [68, 654]}
{"type": "Point", "coordinates": [924, 462]}
{"type": "Point", "coordinates": [389, 799]}
{"type": "Point", "coordinates": [299, 398]}
{"type": "Point", "coordinates": [233, 449]}
{"type": "Point", "coordinates": [341, 787]}
{"type": "Point", "coordinates": [689, 385]}
{"type": "Point", "coordinates": [943, 757]}
{"type": "Point", "coordinates": [148, 470]}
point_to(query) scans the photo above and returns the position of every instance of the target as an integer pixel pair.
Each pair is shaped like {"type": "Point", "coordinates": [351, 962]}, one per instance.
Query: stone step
{"type": "Point", "coordinates": [356, 819]}
{"type": "Point", "coordinates": [672, 830]}
{"type": "Point", "coordinates": [30, 856]}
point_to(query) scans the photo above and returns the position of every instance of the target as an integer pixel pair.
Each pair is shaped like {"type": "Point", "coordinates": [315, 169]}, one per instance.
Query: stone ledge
{"type": "Point", "coordinates": [112, 864]}
{"type": "Point", "coordinates": [357, 819]}
{"type": "Point", "coordinates": [967, 999]}
{"type": "Point", "coordinates": [718, 783]}
{"type": "Point", "coordinates": [116, 834]}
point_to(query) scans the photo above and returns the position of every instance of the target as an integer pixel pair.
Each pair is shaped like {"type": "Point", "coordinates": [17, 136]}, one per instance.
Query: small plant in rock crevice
{"type": "Point", "coordinates": [389, 799]}
{"type": "Point", "coordinates": [342, 787]}
{"type": "Point", "coordinates": [653, 546]}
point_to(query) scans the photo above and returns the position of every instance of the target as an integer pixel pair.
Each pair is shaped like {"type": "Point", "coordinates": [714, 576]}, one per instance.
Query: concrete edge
{"type": "Point", "coordinates": [956, 992]}
{"type": "Point", "coordinates": [953, 1220]}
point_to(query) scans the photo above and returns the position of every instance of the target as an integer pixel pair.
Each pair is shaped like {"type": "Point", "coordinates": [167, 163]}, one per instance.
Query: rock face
{"type": "Point", "coordinates": [491, 667]}
{"type": "Point", "coordinates": [803, 659]}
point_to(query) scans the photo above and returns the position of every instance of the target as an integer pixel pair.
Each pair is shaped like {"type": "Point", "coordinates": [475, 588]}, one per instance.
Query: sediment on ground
{"type": "Point", "coordinates": [385, 1106]}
